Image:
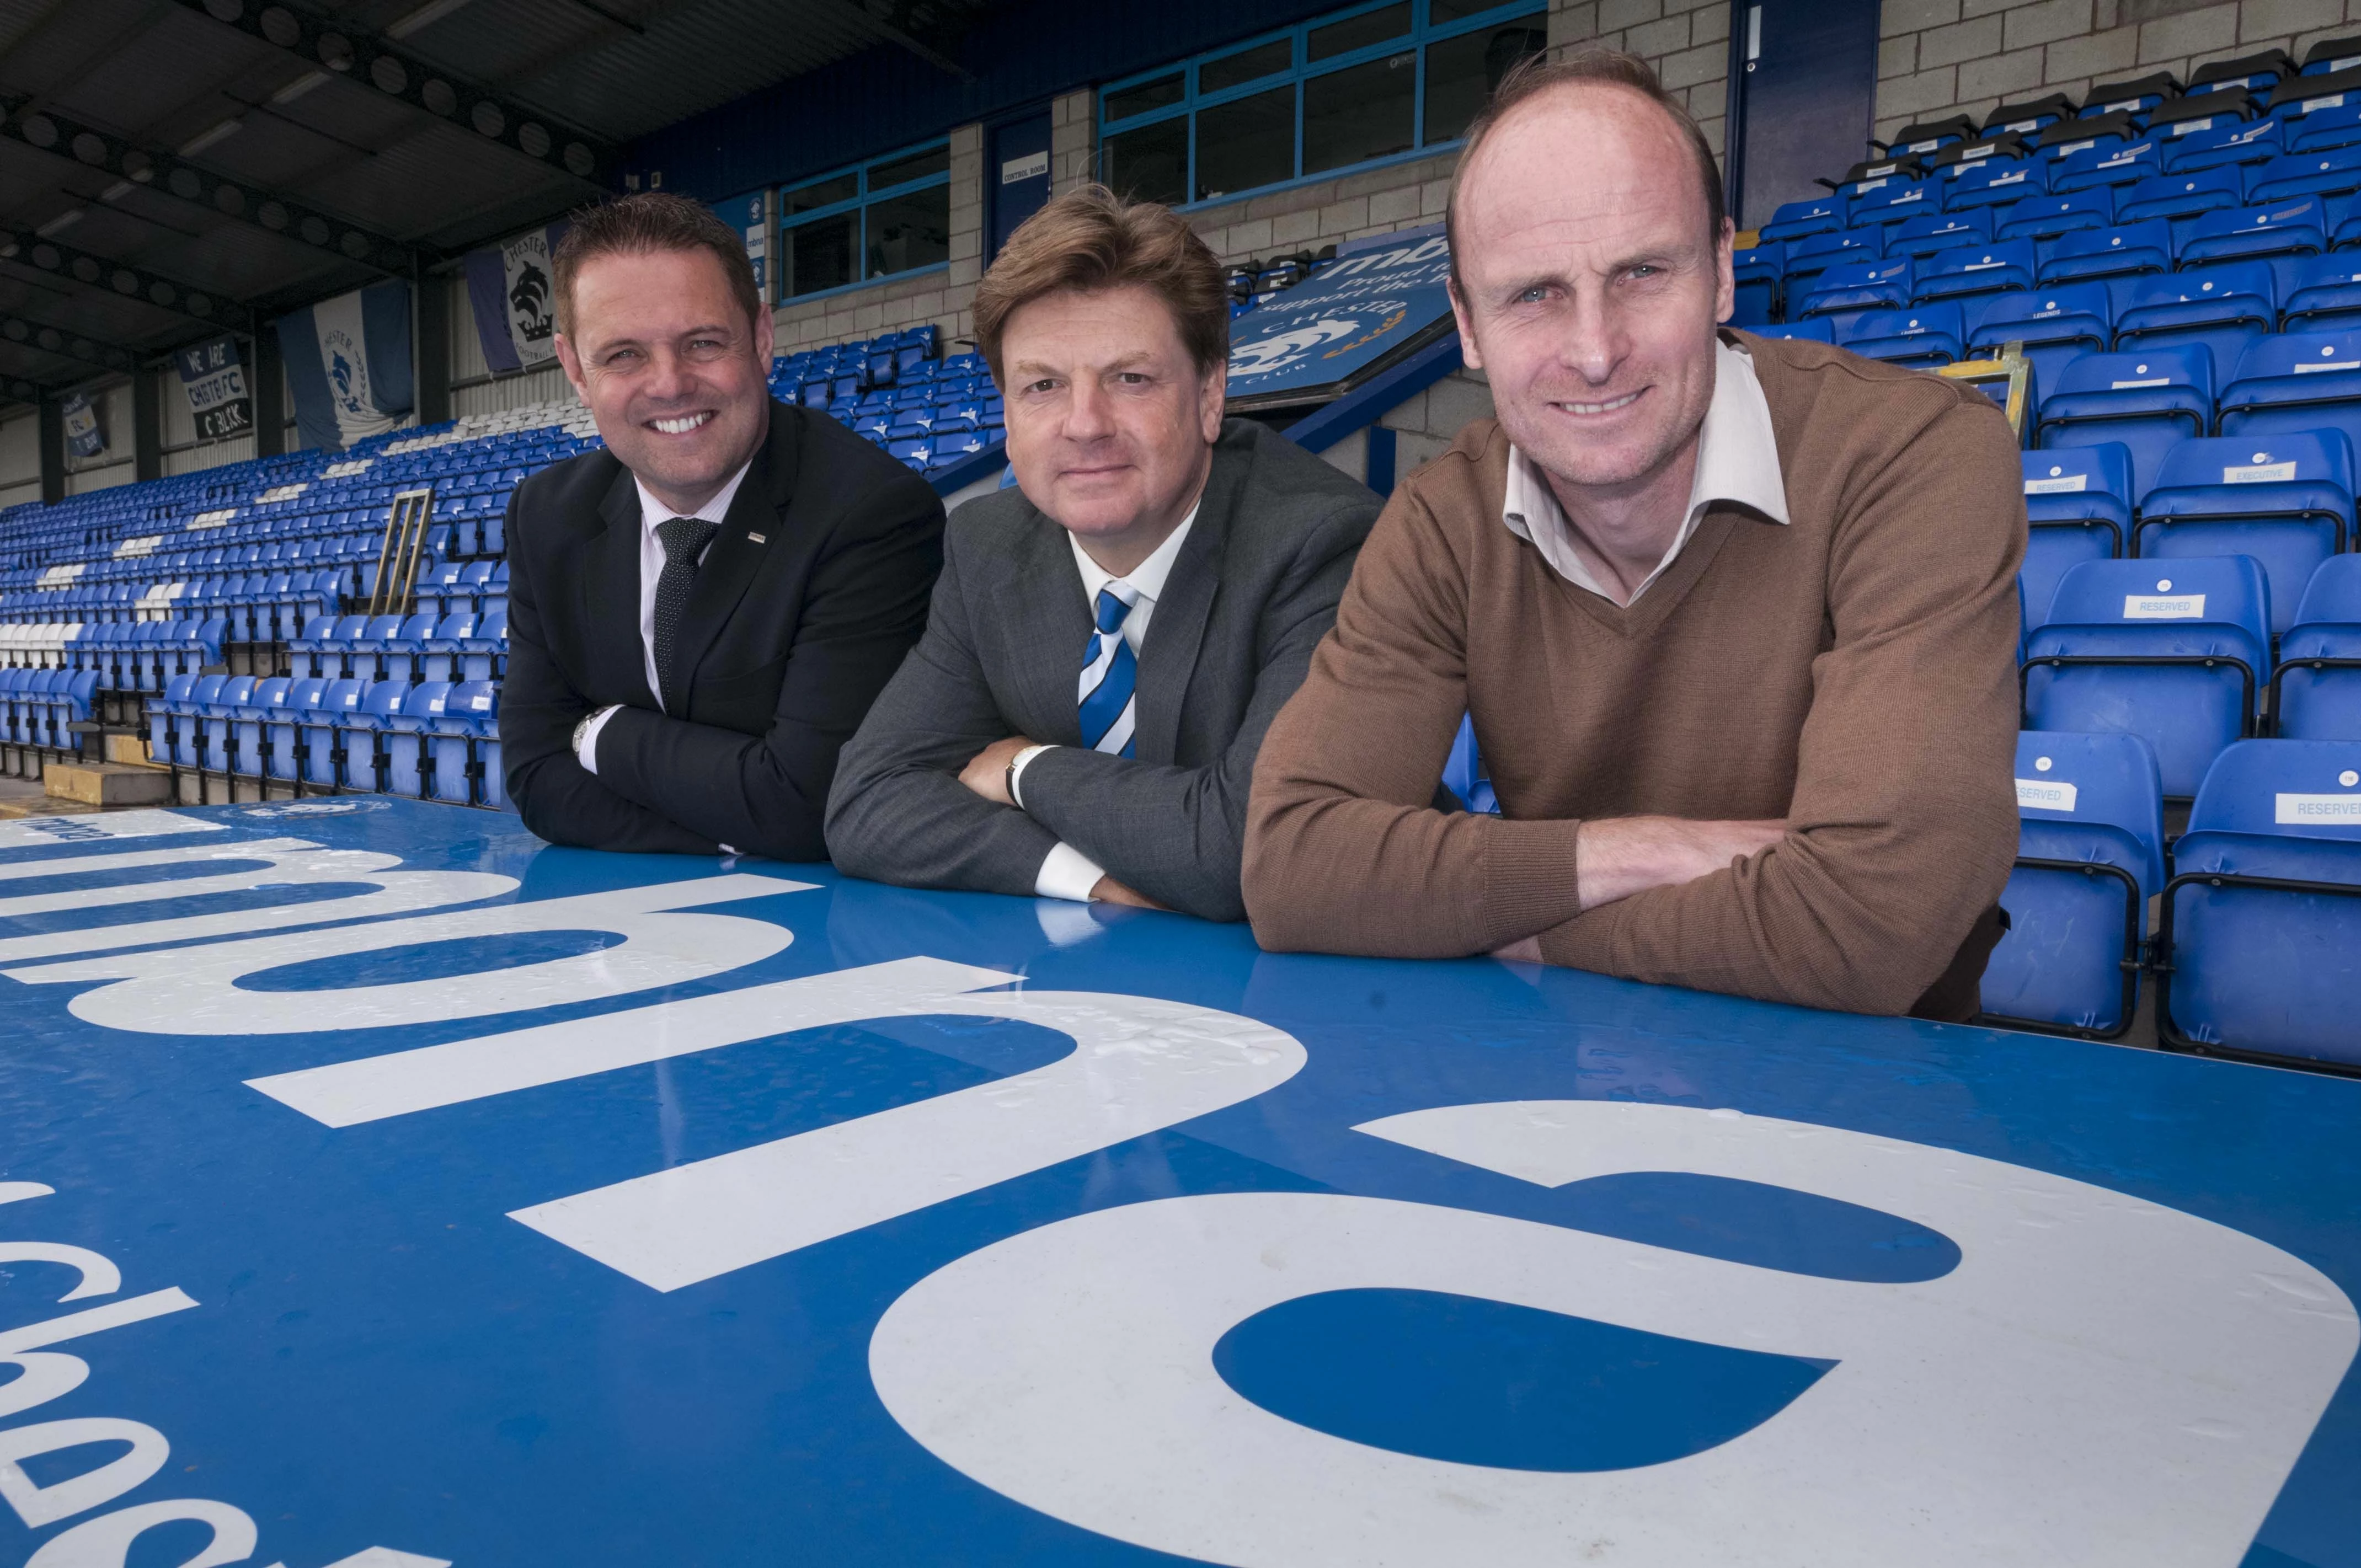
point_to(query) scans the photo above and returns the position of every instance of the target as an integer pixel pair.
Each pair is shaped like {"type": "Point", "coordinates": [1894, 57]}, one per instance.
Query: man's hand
{"type": "Point", "coordinates": [987, 771]}
{"type": "Point", "coordinates": [1617, 857]}
{"type": "Point", "coordinates": [1106, 890]}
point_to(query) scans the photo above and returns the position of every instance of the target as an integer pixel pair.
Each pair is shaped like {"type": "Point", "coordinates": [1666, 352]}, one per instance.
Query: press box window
{"type": "Point", "coordinates": [890, 216]}
{"type": "Point", "coordinates": [1349, 89]}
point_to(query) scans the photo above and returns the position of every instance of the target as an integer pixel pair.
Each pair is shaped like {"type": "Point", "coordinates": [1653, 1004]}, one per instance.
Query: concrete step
{"type": "Point", "coordinates": [127, 747]}
{"type": "Point", "coordinates": [108, 783]}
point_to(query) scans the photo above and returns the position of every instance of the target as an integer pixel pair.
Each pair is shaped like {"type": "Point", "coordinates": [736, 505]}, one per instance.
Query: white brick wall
{"type": "Point", "coordinates": [1688, 42]}
{"type": "Point", "coordinates": [1945, 57]}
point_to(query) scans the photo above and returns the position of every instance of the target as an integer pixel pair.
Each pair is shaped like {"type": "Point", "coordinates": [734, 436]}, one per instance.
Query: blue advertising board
{"type": "Point", "coordinates": [385, 1188]}
{"type": "Point", "coordinates": [1358, 315]}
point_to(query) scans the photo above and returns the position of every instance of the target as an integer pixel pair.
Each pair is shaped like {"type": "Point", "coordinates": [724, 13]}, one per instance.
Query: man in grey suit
{"type": "Point", "coordinates": [1110, 637]}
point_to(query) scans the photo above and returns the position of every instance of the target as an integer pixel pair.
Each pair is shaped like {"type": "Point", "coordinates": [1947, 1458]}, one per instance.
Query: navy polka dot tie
{"type": "Point", "coordinates": [684, 540]}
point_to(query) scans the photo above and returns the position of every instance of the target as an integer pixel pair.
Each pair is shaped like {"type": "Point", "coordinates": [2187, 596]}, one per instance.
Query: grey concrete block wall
{"type": "Point", "coordinates": [1946, 57]}
{"type": "Point", "coordinates": [1687, 42]}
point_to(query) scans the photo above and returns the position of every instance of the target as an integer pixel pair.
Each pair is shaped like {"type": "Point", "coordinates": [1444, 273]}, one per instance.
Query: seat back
{"type": "Point", "coordinates": [2269, 971]}
{"type": "Point", "coordinates": [2319, 677]}
{"type": "Point", "coordinates": [2148, 400]}
{"type": "Point", "coordinates": [2125, 250]}
{"type": "Point", "coordinates": [1926, 337]}
{"type": "Point", "coordinates": [2326, 171]}
{"type": "Point", "coordinates": [2047, 217]}
{"type": "Point", "coordinates": [1992, 182]}
{"type": "Point", "coordinates": [2285, 499]}
{"type": "Point", "coordinates": [2297, 226]}
{"type": "Point", "coordinates": [2186, 194]}
{"type": "Point", "coordinates": [2109, 164]}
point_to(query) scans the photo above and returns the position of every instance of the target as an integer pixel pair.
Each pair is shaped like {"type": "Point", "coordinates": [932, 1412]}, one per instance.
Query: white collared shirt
{"type": "Point", "coordinates": [1737, 460]}
{"type": "Point", "coordinates": [1067, 873]}
{"type": "Point", "coordinates": [654, 514]}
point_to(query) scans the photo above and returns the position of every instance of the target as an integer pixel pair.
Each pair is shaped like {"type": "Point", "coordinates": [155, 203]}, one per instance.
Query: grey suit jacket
{"type": "Point", "coordinates": [1255, 589]}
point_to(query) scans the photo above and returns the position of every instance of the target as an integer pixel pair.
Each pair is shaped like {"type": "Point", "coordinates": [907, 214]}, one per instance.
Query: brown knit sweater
{"type": "Point", "coordinates": [1853, 672]}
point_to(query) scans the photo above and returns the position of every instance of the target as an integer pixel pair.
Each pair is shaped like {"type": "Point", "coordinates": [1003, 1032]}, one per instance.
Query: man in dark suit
{"type": "Point", "coordinates": [700, 614]}
{"type": "Point", "coordinates": [1112, 636]}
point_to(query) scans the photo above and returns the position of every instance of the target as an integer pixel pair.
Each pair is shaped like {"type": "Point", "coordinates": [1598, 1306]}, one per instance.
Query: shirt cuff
{"type": "Point", "coordinates": [1016, 774]}
{"type": "Point", "coordinates": [1066, 873]}
{"type": "Point", "coordinates": [589, 755]}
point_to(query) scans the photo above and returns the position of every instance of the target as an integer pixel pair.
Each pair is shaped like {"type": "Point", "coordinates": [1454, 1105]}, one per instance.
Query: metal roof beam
{"type": "Point", "coordinates": [334, 45]}
{"type": "Point", "coordinates": [19, 332]}
{"type": "Point", "coordinates": [27, 249]}
{"type": "Point", "coordinates": [47, 131]}
{"type": "Point", "coordinates": [880, 27]}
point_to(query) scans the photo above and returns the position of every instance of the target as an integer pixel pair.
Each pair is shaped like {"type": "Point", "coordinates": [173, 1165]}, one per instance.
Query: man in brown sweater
{"type": "Point", "coordinates": [1735, 619]}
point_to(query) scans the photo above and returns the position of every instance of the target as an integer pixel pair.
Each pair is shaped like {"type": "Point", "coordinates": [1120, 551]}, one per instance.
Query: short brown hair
{"type": "Point", "coordinates": [1537, 74]}
{"type": "Point", "coordinates": [637, 225]}
{"type": "Point", "coordinates": [1092, 238]}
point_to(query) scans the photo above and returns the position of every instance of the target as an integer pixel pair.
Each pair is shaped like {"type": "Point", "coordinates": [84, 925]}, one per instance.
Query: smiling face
{"type": "Point", "coordinates": [1590, 285]}
{"type": "Point", "coordinates": [1111, 425]}
{"type": "Point", "coordinates": [670, 368]}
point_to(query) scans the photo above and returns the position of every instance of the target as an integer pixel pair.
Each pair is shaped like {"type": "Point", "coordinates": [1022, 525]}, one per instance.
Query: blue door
{"type": "Point", "coordinates": [1016, 174]}
{"type": "Point", "coordinates": [1805, 99]}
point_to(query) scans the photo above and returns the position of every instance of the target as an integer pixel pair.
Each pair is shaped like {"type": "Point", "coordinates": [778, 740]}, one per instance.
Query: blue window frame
{"type": "Point", "coordinates": [1394, 78]}
{"type": "Point", "coordinates": [880, 219]}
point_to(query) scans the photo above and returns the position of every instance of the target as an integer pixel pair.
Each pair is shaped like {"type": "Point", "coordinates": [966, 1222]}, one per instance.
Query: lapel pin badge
{"type": "Point", "coordinates": [758, 539]}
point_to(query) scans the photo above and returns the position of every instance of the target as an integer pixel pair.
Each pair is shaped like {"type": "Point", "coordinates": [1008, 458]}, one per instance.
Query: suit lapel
{"type": "Point", "coordinates": [610, 589]}
{"type": "Point", "coordinates": [735, 557]}
{"type": "Point", "coordinates": [1177, 631]}
{"type": "Point", "coordinates": [1046, 625]}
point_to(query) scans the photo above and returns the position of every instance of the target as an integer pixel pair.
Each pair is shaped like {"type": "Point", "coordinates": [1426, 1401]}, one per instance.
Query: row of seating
{"type": "Point", "coordinates": [2287, 502]}
{"type": "Point", "coordinates": [37, 706]}
{"type": "Point", "coordinates": [125, 657]}
{"type": "Point", "coordinates": [2180, 651]}
{"type": "Point", "coordinates": [2259, 936]}
{"type": "Point", "coordinates": [433, 740]}
{"type": "Point", "coordinates": [458, 646]}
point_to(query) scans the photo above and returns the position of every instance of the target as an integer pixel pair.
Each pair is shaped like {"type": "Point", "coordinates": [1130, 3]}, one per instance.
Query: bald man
{"type": "Point", "coordinates": [1735, 619]}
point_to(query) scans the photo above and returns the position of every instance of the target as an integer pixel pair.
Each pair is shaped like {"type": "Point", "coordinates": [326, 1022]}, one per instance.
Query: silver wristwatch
{"type": "Point", "coordinates": [582, 729]}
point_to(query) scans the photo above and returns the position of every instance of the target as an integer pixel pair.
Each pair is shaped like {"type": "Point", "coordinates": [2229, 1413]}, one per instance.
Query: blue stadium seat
{"type": "Point", "coordinates": [367, 729]}
{"type": "Point", "coordinates": [2296, 380]}
{"type": "Point", "coordinates": [2077, 507]}
{"type": "Point", "coordinates": [1978, 269]}
{"type": "Point", "coordinates": [1758, 271]}
{"type": "Point", "coordinates": [2297, 226]}
{"type": "Point", "coordinates": [1929, 232]}
{"type": "Point", "coordinates": [1796, 219]}
{"type": "Point", "coordinates": [2189, 194]}
{"type": "Point", "coordinates": [221, 712]}
{"type": "Point", "coordinates": [2221, 308]}
{"type": "Point", "coordinates": [2126, 251]}
{"type": "Point", "coordinates": [165, 736]}
{"type": "Point", "coordinates": [253, 753]}
{"type": "Point", "coordinates": [2329, 171]}
{"type": "Point", "coordinates": [484, 655]}
{"type": "Point", "coordinates": [324, 713]}
{"type": "Point", "coordinates": [466, 741]}
{"type": "Point", "coordinates": [1993, 183]}
{"type": "Point", "coordinates": [2056, 326]}
{"type": "Point", "coordinates": [1810, 257]}
{"type": "Point", "coordinates": [2175, 651]}
{"type": "Point", "coordinates": [406, 738]}
{"type": "Point", "coordinates": [2147, 401]}
{"type": "Point", "coordinates": [1896, 203]}
{"type": "Point", "coordinates": [2239, 144]}
{"type": "Point", "coordinates": [1817, 329]}
{"type": "Point", "coordinates": [2106, 165]}
{"type": "Point", "coordinates": [406, 648]}
{"type": "Point", "coordinates": [440, 652]}
{"type": "Point", "coordinates": [1845, 292]}
{"type": "Point", "coordinates": [2090, 856]}
{"type": "Point", "coordinates": [2324, 129]}
{"type": "Point", "coordinates": [2323, 293]}
{"type": "Point", "coordinates": [2285, 499]}
{"type": "Point", "coordinates": [2316, 687]}
{"type": "Point", "coordinates": [2047, 217]}
{"type": "Point", "coordinates": [285, 727]}
{"type": "Point", "coordinates": [1922, 338]}
{"type": "Point", "coordinates": [2261, 923]}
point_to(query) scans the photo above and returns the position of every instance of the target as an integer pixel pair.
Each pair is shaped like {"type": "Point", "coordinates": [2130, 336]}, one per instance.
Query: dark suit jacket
{"type": "Point", "coordinates": [787, 641]}
{"type": "Point", "coordinates": [1255, 589]}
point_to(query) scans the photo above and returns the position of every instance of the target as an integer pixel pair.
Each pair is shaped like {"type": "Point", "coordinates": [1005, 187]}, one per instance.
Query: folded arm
{"type": "Point", "coordinates": [1177, 833]}
{"type": "Point", "coordinates": [898, 812]}
{"type": "Point", "coordinates": [863, 606]}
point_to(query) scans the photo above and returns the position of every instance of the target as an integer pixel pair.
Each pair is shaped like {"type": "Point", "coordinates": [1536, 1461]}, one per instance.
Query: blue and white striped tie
{"type": "Point", "coordinates": [1110, 676]}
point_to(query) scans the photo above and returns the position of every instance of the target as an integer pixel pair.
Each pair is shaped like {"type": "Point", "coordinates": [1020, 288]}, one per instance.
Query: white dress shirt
{"type": "Point", "coordinates": [1737, 460]}
{"type": "Point", "coordinates": [654, 514]}
{"type": "Point", "coordinates": [1066, 872]}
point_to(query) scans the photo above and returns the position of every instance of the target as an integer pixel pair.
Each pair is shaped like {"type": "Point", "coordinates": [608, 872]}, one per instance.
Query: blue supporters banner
{"type": "Point", "coordinates": [85, 429]}
{"type": "Point", "coordinates": [513, 301]}
{"type": "Point", "coordinates": [1358, 314]}
{"type": "Point", "coordinates": [382, 1187]}
{"type": "Point", "coordinates": [213, 378]}
{"type": "Point", "coordinates": [349, 365]}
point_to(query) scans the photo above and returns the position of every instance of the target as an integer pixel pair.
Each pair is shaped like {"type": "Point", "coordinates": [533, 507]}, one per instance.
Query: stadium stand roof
{"type": "Point", "coordinates": [170, 169]}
